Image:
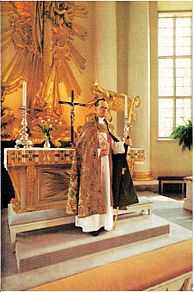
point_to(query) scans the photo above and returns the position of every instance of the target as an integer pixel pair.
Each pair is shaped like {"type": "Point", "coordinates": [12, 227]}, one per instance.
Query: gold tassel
{"type": "Point", "coordinates": [116, 217]}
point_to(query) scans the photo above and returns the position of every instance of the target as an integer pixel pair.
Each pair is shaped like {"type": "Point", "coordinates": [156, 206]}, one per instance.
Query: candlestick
{"type": "Point", "coordinates": [126, 126]}
{"type": "Point", "coordinates": [22, 140]}
{"type": "Point", "coordinates": [126, 107]}
{"type": "Point", "coordinates": [24, 95]}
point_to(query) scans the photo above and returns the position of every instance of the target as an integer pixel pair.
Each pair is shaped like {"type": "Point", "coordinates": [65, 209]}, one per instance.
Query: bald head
{"type": "Point", "coordinates": [101, 108]}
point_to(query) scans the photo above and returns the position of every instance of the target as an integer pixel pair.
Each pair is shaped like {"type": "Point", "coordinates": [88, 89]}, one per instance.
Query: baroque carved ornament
{"type": "Point", "coordinates": [41, 37]}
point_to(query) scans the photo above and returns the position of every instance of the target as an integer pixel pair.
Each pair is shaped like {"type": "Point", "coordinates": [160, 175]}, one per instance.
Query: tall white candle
{"type": "Point", "coordinates": [24, 95]}
{"type": "Point", "coordinates": [126, 106]}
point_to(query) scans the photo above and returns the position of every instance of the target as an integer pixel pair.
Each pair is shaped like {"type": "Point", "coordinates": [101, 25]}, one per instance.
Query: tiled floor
{"type": "Point", "coordinates": [170, 209]}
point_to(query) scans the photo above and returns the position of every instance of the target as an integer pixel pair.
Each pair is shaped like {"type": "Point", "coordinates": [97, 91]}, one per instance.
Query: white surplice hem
{"type": "Point", "coordinates": [95, 222]}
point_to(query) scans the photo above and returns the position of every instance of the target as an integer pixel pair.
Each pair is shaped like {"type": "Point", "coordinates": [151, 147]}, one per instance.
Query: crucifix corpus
{"type": "Point", "coordinates": [73, 104]}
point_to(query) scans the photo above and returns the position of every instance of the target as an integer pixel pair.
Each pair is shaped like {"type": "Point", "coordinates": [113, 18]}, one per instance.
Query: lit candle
{"type": "Point", "coordinates": [126, 106]}
{"type": "Point", "coordinates": [24, 96]}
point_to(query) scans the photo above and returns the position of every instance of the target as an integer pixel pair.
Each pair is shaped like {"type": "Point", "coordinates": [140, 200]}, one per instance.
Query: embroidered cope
{"type": "Point", "coordinates": [90, 191]}
{"type": "Point", "coordinates": [95, 222]}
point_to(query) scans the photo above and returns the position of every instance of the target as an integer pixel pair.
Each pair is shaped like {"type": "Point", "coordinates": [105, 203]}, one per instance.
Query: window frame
{"type": "Point", "coordinates": [173, 15]}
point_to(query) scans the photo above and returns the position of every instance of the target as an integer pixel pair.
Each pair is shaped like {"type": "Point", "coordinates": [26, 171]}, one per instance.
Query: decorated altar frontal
{"type": "Point", "coordinates": [40, 177]}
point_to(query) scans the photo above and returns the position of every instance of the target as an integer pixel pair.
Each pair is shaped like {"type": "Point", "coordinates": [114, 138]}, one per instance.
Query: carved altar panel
{"type": "Point", "coordinates": [40, 177]}
{"type": "Point", "coordinates": [135, 155]}
{"type": "Point", "coordinates": [52, 184]}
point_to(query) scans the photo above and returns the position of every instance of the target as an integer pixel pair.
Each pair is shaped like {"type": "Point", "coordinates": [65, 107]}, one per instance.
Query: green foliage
{"type": "Point", "coordinates": [184, 135]}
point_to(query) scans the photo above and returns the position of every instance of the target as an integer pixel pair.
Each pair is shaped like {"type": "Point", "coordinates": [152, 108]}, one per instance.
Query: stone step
{"type": "Point", "coordinates": [22, 222]}
{"type": "Point", "coordinates": [41, 248]}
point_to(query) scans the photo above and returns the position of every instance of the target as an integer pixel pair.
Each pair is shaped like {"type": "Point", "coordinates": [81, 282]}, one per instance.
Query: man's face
{"type": "Point", "coordinates": [102, 109]}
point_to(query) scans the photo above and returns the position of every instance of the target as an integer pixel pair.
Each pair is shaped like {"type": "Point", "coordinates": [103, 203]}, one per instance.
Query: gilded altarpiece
{"type": "Point", "coordinates": [39, 45]}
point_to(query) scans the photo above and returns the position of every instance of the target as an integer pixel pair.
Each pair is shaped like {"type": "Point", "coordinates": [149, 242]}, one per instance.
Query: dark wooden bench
{"type": "Point", "coordinates": [172, 180]}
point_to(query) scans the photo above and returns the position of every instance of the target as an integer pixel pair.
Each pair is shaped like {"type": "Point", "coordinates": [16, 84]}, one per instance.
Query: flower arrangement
{"type": "Point", "coordinates": [46, 128]}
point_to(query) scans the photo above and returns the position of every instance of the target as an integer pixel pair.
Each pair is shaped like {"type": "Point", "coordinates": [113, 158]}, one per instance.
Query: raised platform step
{"type": "Point", "coordinates": [21, 222]}
{"type": "Point", "coordinates": [50, 246]}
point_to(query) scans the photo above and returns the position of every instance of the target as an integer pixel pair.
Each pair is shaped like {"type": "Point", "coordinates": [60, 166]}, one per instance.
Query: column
{"type": "Point", "coordinates": [105, 53]}
{"type": "Point", "coordinates": [139, 81]}
{"type": "Point", "coordinates": [122, 56]}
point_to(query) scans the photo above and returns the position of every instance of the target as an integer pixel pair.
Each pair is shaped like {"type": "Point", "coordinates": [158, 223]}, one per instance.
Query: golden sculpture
{"type": "Point", "coordinates": [116, 100]}
{"type": "Point", "coordinates": [116, 103]}
{"type": "Point", "coordinates": [7, 117]}
{"type": "Point", "coordinates": [40, 37]}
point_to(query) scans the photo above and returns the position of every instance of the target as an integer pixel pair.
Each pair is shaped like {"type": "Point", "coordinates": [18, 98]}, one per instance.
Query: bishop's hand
{"type": "Point", "coordinates": [104, 152]}
{"type": "Point", "coordinates": [128, 141]}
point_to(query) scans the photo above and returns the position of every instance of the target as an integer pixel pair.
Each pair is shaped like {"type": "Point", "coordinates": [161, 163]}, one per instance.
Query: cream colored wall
{"type": "Point", "coordinates": [174, 5]}
{"type": "Point", "coordinates": [167, 157]}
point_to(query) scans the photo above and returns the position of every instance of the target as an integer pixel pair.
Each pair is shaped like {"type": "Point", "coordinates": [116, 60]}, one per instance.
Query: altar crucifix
{"type": "Point", "coordinates": [73, 104]}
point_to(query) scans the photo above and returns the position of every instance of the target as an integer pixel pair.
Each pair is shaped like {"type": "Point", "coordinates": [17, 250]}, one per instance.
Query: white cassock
{"type": "Point", "coordinates": [95, 222]}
